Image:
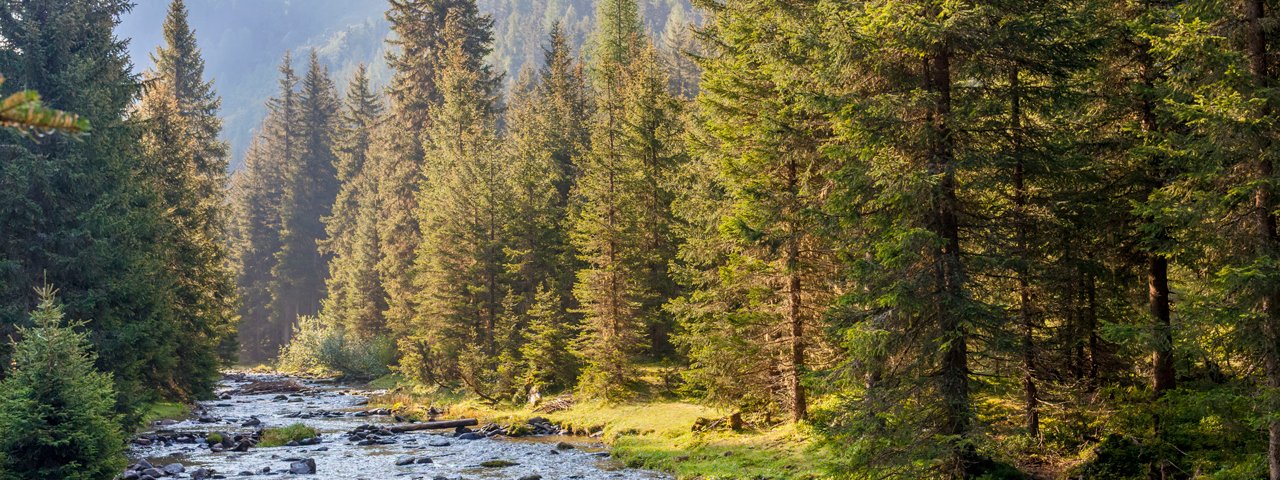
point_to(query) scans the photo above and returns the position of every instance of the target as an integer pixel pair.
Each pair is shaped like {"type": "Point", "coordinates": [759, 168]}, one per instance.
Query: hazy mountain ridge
{"type": "Point", "coordinates": [243, 41]}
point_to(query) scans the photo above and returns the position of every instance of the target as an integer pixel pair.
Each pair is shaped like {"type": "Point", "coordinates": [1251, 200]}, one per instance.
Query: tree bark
{"type": "Point", "coordinates": [953, 373]}
{"type": "Point", "coordinates": [1030, 396]}
{"type": "Point", "coordinates": [795, 313]}
{"type": "Point", "coordinates": [413, 427]}
{"type": "Point", "coordinates": [1268, 240]}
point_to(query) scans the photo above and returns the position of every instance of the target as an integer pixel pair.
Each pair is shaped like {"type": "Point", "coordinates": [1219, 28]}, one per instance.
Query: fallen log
{"type": "Point", "coordinates": [465, 422]}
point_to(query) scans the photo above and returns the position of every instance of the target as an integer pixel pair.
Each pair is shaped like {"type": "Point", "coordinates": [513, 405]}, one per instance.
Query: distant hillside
{"type": "Point", "coordinates": [243, 41]}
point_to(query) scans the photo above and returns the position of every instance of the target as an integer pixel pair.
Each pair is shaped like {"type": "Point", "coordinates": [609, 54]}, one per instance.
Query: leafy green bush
{"type": "Point", "coordinates": [275, 437]}
{"type": "Point", "coordinates": [319, 346]}
{"type": "Point", "coordinates": [55, 408]}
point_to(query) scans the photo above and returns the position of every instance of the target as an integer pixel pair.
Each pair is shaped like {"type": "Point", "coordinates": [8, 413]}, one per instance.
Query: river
{"type": "Point", "coordinates": [332, 411]}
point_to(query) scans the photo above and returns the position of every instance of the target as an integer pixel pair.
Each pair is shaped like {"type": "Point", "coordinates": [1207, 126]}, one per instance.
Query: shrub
{"type": "Point", "coordinates": [55, 408]}
{"type": "Point", "coordinates": [275, 437]}
{"type": "Point", "coordinates": [321, 347]}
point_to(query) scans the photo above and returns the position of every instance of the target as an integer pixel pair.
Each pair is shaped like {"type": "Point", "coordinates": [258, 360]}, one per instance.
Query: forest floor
{"type": "Point", "coordinates": [656, 433]}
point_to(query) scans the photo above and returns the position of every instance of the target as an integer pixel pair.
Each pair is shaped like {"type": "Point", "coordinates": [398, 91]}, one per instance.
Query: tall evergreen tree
{"type": "Point", "coordinates": [354, 291]}
{"type": "Point", "coordinates": [309, 191]}
{"type": "Point", "coordinates": [258, 193]}
{"type": "Point", "coordinates": [770, 261]}
{"type": "Point", "coordinates": [621, 227]}
{"type": "Point", "coordinates": [547, 124]}
{"type": "Point", "coordinates": [187, 163]}
{"type": "Point", "coordinates": [464, 207]}
{"type": "Point", "coordinates": [418, 43]}
{"type": "Point", "coordinates": [78, 212]}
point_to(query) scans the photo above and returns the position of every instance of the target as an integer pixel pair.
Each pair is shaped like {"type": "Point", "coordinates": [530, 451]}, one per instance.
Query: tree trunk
{"type": "Point", "coordinates": [954, 369]}
{"type": "Point", "coordinates": [1268, 239]}
{"type": "Point", "coordinates": [1032, 408]}
{"type": "Point", "coordinates": [795, 313]}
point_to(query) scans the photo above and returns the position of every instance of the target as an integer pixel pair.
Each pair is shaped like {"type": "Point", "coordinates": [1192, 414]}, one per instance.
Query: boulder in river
{"type": "Point", "coordinates": [174, 468]}
{"type": "Point", "coordinates": [304, 467]}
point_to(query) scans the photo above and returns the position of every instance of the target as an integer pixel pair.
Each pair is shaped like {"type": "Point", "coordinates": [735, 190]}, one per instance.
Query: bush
{"type": "Point", "coordinates": [275, 437]}
{"type": "Point", "coordinates": [320, 347]}
{"type": "Point", "coordinates": [55, 408]}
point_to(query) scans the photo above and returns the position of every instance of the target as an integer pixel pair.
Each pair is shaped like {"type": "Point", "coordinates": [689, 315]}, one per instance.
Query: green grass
{"type": "Point", "coordinates": [656, 434]}
{"type": "Point", "coordinates": [388, 381]}
{"type": "Point", "coordinates": [164, 411]}
{"type": "Point", "coordinates": [275, 437]}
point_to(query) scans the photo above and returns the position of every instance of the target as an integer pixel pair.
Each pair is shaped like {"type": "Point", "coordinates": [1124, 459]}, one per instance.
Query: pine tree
{"type": "Point", "coordinates": [188, 164]}
{"type": "Point", "coordinates": [464, 208]}
{"type": "Point", "coordinates": [55, 406]}
{"type": "Point", "coordinates": [258, 193]}
{"type": "Point", "coordinates": [309, 192]}
{"type": "Point", "coordinates": [418, 27]}
{"type": "Point", "coordinates": [78, 212]}
{"type": "Point", "coordinates": [354, 291]}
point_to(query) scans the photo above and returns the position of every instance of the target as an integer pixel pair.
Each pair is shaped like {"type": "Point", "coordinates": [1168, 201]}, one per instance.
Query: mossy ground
{"type": "Point", "coordinates": [653, 434]}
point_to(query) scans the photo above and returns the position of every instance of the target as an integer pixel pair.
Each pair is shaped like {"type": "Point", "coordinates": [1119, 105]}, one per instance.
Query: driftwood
{"type": "Point", "coordinates": [465, 422]}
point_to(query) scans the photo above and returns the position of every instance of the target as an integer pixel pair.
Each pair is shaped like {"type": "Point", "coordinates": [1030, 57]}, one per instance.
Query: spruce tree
{"type": "Point", "coordinates": [188, 165]}
{"type": "Point", "coordinates": [464, 207]}
{"type": "Point", "coordinates": [354, 292]}
{"type": "Point", "coordinates": [755, 313]}
{"type": "Point", "coordinates": [621, 226]}
{"type": "Point", "coordinates": [78, 212]}
{"type": "Point", "coordinates": [258, 193]}
{"type": "Point", "coordinates": [547, 135]}
{"type": "Point", "coordinates": [418, 45]}
{"type": "Point", "coordinates": [309, 191]}
{"type": "Point", "coordinates": [55, 406]}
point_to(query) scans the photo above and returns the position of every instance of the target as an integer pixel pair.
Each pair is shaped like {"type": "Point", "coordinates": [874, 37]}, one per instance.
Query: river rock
{"type": "Point", "coordinates": [438, 443]}
{"type": "Point", "coordinates": [402, 461]}
{"type": "Point", "coordinates": [174, 468]}
{"type": "Point", "coordinates": [305, 467]}
{"type": "Point", "coordinates": [470, 436]}
{"type": "Point", "coordinates": [564, 446]}
{"type": "Point", "coordinates": [153, 473]}
{"type": "Point", "coordinates": [251, 422]}
{"type": "Point", "coordinates": [531, 477]}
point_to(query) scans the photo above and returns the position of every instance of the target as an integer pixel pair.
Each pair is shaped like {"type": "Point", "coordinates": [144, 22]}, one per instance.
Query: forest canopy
{"type": "Point", "coordinates": [933, 238]}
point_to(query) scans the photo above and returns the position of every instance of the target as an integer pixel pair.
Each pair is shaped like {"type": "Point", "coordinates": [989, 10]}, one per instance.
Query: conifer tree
{"type": "Point", "coordinates": [55, 406]}
{"type": "Point", "coordinates": [188, 165]}
{"type": "Point", "coordinates": [354, 291]}
{"type": "Point", "coordinates": [309, 192]}
{"type": "Point", "coordinates": [547, 124]}
{"type": "Point", "coordinates": [758, 317]}
{"type": "Point", "coordinates": [621, 227]}
{"type": "Point", "coordinates": [258, 193]}
{"type": "Point", "coordinates": [418, 42]}
{"type": "Point", "coordinates": [78, 212]}
{"type": "Point", "coordinates": [464, 207]}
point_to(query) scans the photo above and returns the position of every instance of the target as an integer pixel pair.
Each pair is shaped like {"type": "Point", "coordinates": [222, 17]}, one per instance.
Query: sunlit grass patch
{"type": "Point", "coordinates": [275, 437]}
{"type": "Point", "coordinates": [164, 411]}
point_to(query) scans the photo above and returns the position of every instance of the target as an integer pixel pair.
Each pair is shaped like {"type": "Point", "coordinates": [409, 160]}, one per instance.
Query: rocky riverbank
{"type": "Point", "coordinates": [352, 441]}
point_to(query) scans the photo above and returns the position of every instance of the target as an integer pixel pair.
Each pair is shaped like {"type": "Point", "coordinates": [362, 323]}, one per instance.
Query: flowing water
{"type": "Point", "coordinates": [336, 457]}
